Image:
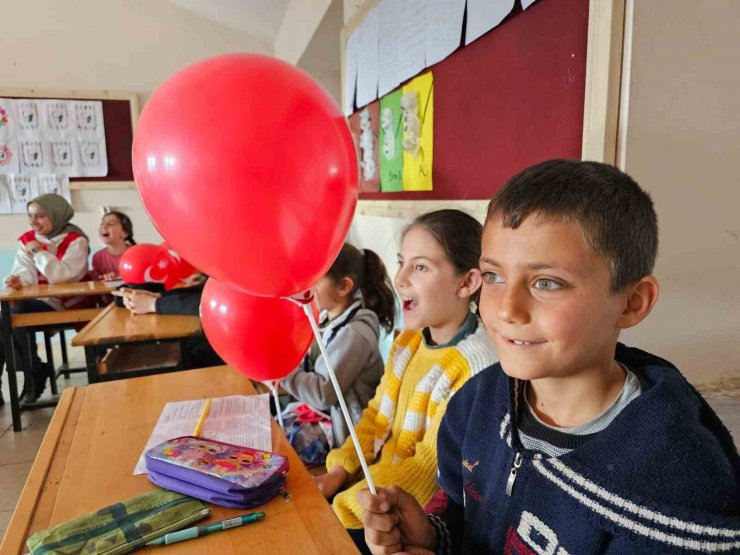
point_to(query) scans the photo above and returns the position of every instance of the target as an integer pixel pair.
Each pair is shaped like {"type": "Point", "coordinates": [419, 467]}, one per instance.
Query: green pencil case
{"type": "Point", "coordinates": [122, 527]}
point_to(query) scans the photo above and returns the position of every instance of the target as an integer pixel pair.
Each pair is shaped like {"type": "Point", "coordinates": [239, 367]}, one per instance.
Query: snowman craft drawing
{"type": "Point", "coordinates": [367, 146]}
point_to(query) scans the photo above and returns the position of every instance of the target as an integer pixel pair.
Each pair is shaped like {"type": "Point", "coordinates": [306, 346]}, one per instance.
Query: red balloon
{"type": "Point", "coordinates": [142, 263]}
{"type": "Point", "coordinates": [263, 337]}
{"type": "Point", "coordinates": [183, 268]}
{"type": "Point", "coordinates": [247, 167]}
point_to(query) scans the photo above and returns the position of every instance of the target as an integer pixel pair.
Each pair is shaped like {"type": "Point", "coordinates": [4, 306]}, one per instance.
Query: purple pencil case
{"type": "Point", "coordinates": [216, 472]}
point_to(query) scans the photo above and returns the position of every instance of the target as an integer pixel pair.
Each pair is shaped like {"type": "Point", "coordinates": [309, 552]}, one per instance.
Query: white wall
{"type": "Point", "coordinates": [130, 45]}
{"type": "Point", "coordinates": [683, 146]}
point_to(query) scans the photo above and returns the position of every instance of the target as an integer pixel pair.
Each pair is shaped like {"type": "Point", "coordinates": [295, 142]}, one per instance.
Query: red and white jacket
{"type": "Point", "coordinates": [63, 259]}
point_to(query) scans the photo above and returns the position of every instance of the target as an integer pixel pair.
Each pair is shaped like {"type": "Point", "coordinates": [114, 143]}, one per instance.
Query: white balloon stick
{"type": "Point", "coordinates": [340, 397]}
{"type": "Point", "coordinates": [273, 385]}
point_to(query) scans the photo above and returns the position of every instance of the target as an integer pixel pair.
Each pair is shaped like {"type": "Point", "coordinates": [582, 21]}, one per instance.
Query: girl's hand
{"type": "Point", "coordinates": [331, 482]}
{"type": "Point", "coordinates": [109, 276]}
{"type": "Point", "coordinates": [32, 245]}
{"type": "Point", "coordinates": [138, 301]}
{"type": "Point", "coordinates": [394, 521]}
{"type": "Point", "coordinates": [13, 282]}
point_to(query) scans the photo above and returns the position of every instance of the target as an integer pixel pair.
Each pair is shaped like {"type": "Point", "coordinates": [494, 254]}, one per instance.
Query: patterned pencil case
{"type": "Point", "coordinates": [220, 473]}
{"type": "Point", "coordinates": [122, 527]}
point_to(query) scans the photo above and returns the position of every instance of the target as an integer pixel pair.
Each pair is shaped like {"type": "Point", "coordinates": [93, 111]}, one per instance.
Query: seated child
{"type": "Point", "coordinates": [117, 233]}
{"type": "Point", "coordinates": [574, 443]}
{"type": "Point", "coordinates": [356, 298]}
{"type": "Point", "coordinates": [442, 348]}
{"type": "Point", "coordinates": [54, 250]}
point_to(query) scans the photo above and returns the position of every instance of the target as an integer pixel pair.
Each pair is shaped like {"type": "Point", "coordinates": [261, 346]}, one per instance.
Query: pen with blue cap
{"type": "Point", "coordinates": [197, 531]}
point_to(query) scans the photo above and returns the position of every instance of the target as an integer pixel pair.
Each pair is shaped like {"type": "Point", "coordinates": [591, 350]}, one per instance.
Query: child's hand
{"type": "Point", "coordinates": [138, 301]}
{"type": "Point", "coordinates": [13, 282]}
{"type": "Point", "coordinates": [109, 276]}
{"type": "Point", "coordinates": [394, 521]}
{"type": "Point", "coordinates": [331, 482]}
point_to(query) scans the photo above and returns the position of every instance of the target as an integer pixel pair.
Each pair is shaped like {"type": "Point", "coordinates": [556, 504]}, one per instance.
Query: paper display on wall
{"type": "Point", "coordinates": [17, 190]}
{"type": "Point", "coordinates": [389, 45]}
{"type": "Point", "coordinates": [417, 105]}
{"type": "Point", "coordinates": [444, 28]}
{"type": "Point", "coordinates": [52, 136]}
{"type": "Point", "coordinates": [484, 15]}
{"type": "Point", "coordinates": [367, 68]}
{"type": "Point", "coordinates": [390, 139]}
{"type": "Point", "coordinates": [364, 127]}
{"type": "Point", "coordinates": [351, 60]}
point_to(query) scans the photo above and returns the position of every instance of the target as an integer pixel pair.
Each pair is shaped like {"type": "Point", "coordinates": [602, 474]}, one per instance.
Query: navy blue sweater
{"type": "Point", "coordinates": [664, 476]}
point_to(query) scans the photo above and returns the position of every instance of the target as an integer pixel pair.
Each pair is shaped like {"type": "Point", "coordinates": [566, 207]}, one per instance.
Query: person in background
{"type": "Point", "coordinates": [355, 298]}
{"type": "Point", "coordinates": [117, 233]}
{"type": "Point", "coordinates": [54, 250]}
{"type": "Point", "coordinates": [443, 346]}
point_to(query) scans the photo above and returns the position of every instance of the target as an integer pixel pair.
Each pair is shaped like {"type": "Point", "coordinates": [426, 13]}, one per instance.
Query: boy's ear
{"type": "Point", "coordinates": [639, 303]}
{"type": "Point", "coordinates": [472, 280]}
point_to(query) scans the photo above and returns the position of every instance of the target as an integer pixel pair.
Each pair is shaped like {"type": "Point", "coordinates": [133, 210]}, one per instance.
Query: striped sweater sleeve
{"type": "Point", "coordinates": [346, 456]}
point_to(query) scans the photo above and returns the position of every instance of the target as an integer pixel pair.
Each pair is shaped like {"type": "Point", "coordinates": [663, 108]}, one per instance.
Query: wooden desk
{"type": "Point", "coordinates": [95, 438]}
{"type": "Point", "coordinates": [8, 297]}
{"type": "Point", "coordinates": [116, 325]}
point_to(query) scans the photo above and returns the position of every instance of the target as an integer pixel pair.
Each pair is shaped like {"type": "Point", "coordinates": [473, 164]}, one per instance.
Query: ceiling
{"type": "Point", "coordinates": [260, 19]}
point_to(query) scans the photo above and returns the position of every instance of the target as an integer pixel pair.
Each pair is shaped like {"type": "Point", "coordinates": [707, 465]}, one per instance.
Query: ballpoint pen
{"type": "Point", "coordinates": [197, 531]}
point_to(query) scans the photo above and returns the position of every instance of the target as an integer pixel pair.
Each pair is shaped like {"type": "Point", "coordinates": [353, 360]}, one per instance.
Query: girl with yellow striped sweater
{"type": "Point", "coordinates": [444, 346]}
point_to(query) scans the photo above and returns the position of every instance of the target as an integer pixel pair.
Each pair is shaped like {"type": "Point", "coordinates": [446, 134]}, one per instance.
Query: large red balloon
{"type": "Point", "coordinates": [263, 337]}
{"type": "Point", "coordinates": [248, 169]}
{"type": "Point", "coordinates": [142, 263]}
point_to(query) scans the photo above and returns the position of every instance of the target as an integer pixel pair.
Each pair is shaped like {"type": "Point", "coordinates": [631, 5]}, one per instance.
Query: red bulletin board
{"type": "Point", "coordinates": [510, 99]}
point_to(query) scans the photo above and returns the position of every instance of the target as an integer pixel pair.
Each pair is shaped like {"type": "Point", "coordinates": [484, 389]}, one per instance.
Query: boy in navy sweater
{"type": "Point", "coordinates": [573, 443]}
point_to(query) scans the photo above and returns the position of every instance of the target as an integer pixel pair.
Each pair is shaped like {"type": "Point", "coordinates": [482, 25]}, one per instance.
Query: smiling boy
{"type": "Point", "coordinates": [574, 443]}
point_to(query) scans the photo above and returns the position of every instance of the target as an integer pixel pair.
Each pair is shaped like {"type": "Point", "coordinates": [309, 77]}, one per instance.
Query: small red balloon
{"type": "Point", "coordinates": [143, 263]}
{"type": "Point", "coordinates": [264, 338]}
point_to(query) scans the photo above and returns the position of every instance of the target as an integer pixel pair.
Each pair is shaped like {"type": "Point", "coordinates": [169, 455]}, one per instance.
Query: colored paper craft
{"type": "Point", "coordinates": [390, 141]}
{"type": "Point", "coordinates": [417, 103]}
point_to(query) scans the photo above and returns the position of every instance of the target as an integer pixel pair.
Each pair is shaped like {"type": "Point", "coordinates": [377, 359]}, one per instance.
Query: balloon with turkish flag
{"type": "Point", "coordinates": [142, 263]}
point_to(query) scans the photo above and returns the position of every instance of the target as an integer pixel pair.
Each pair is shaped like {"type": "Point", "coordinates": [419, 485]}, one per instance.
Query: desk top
{"type": "Point", "coordinates": [95, 438]}
{"type": "Point", "coordinates": [117, 325]}
{"type": "Point", "coordinates": [75, 289]}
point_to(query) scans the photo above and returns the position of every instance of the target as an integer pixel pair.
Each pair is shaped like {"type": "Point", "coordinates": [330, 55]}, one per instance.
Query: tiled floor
{"type": "Point", "coordinates": [18, 450]}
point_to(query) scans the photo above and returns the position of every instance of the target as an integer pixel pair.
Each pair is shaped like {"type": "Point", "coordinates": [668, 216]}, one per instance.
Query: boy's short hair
{"type": "Point", "coordinates": [617, 217]}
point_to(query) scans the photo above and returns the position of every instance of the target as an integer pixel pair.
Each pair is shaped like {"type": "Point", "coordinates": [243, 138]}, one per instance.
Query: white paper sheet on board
{"type": "Point", "coordinates": [484, 15]}
{"type": "Point", "coordinates": [444, 28]}
{"type": "Point", "coordinates": [351, 60]}
{"type": "Point", "coordinates": [389, 45]}
{"type": "Point", "coordinates": [367, 70]}
{"type": "Point", "coordinates": [413, 41]}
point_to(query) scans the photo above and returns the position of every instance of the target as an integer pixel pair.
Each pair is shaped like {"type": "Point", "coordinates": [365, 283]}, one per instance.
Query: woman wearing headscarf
{"type": "Point", "coordinates": [52, 251]}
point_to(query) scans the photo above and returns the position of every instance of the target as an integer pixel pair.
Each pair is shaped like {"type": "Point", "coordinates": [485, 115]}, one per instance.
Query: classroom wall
{"type": "Point", "coordinates": [683, 145]}
{"type": "Point", "coordinates": [63, 45]}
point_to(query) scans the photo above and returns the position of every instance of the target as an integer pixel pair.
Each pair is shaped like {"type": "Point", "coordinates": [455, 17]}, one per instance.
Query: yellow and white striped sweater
{"type": "Point", "coordinates": [398, 429]}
